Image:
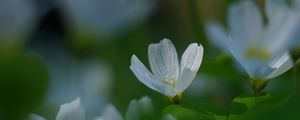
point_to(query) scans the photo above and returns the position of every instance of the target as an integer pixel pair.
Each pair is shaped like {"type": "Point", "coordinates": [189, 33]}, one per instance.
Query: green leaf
{"type": "Point", "coordinates": [251, 100]}
{"type": "Point", "coordinates": [23, 82]}
{"type": "Point", "coordinates": [182, 113]}
{"type": "Point", "coordinates": [223, 66]}
{"type": "Point", "coordinates": [259, 106]}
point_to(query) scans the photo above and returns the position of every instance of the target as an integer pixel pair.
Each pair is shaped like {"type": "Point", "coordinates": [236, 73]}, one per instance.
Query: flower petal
{"type": "Point", "coordinates": [245, 22]}
{"type": "Point", "coordinates": [190, 63]}
{"type": "Point", "coordinates": [282, 26]}
{"type": "Point", "coordinates": [110, 113]}
{"type": "Point", "coordinates": [280, 66]}
{"type": "Point", "coordinates": [281, 32]}
{"type": "Point", "coordinates": [147, 78]}
{"type": "Point", "coordinates": [36, 117]}
{"type": "Point", "coordinates": [71, 111]}
{"type": "Point", "coordinates": [218, 35]}
{"type": "Point", "coordinates": [296, 4]}
{"type": "Point", "coordinates": [275, 8]}
{"type": "Point", "coordinates": [163, 60]}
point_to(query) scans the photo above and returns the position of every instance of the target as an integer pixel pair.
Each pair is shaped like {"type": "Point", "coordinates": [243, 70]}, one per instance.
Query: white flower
{"type": "Point", "coordinates": [167, 76]}
{"type": "Point", "coordinates": [262, 50]}
{"type": "Point", "coordinates": [71, 111]}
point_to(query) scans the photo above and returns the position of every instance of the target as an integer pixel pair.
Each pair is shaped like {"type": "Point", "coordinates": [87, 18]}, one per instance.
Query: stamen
{"type": "Point", "coordinates": [257, 53]}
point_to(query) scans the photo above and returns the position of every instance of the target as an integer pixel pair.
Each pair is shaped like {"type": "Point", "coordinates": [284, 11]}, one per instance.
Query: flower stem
{"type": "Point", "coordinates": [175, 99]}
{"type": "Point", "coordinates": [258, 85]}
{"type": "Point", "coordinates": [295, 81]}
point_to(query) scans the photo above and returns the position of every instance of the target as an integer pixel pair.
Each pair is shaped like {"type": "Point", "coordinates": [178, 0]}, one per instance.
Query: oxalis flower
{"type": "Point", "coordinates": [167, 77]}
{"type": "Point", "coordinates": [262, 50]}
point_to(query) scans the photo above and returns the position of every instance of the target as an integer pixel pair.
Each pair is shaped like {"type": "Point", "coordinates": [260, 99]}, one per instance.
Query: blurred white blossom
{"type": "Point", "coordinates": [261, 49]}
{"type": "Point", "coordinates": [71, 111]}
{"type": "Point", "coordinates": [105, 17]}
{"type": "Point", "coordinates": [110, 113]}
{"type": "Point", "coordinates": [139, 108]}
{"type": "Point", "coordinates": [17, 20]}
{"type": "Point", "coordinates": [75, 111]}
{"type": "Point", "coordinates": [167, 76]}
{"type": "Point", "coordinates": [35, 117]}
{"type": "Point", "coordinates": [89, 79]}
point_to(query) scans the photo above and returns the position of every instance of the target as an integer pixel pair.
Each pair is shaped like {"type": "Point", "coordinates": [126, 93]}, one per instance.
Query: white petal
{"type": "Point", "coordinates": [296, 4]}
{"type": "Point", "coordinates": [280, 66]}
{"type": "Point", "coordinates": [280, 33]}
{"type": "Point", "coordinates": [71, 111]}
{"type": "Point", "coordinates": [147, 78]}
{"type": "Point", "coordinates": [282, 23]}
{"type": "Point", "coordinates": [163, 60]}
{"type": "Point", "coordinates": [217, 35]}
{"type": "Point", "coordinates": [275, 9]}
{"type": "Point", "coordinates": [245, 22]}
{"type": "Point", "coordinates": [110, 113]}
{"type": "Point", "coordinates": [190, 63]}
{"type": "Point", "coordinates": [146, 104]}
{"type": "Point", "coordinates": [36, 117]}
{"type": "Point", "coordinates": [132, 111]}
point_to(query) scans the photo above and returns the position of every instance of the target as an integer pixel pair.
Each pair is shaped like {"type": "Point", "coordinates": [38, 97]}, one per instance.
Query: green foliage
{"type": "Point", "coordinates": [182, 113]}
{"type": "Point", "coordinates": [23, 81]}
{"type": "Point", "coordinates": [244, 107]}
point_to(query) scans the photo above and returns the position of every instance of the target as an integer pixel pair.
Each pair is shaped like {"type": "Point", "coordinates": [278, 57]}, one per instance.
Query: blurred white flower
{"type": "Point", "coordinates": [17, 21]}
{"type": "Point", "coordinates": [90, 79]}
{"type": "Point", "coordinates": [110, 113]}
{"type": "Point", "coordinates": [35, 117]}
{"type": "Point", "coordinates": [139, 108]}
{"type": "Point", "coordinates": [105, 18]}
{"type": "Point", "coordinates": [262, 50]}
{"type": "Point", "coordinates": [167, 76]}
{"type": "Point", "coordinates": [75, 111]}
{"type": "Point", "coordinates": [71, 111]}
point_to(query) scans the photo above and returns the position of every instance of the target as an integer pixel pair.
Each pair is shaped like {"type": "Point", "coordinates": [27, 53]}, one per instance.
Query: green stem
{"type": "Point", "coordinates": [258, 85]}
{"type": "Point", "coordinates": [295, 81]}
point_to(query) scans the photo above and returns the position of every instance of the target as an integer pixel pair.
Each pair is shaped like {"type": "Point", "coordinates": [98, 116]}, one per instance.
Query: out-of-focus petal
{"type": "Point", "coordinates": [245, 22]}
{"type": "Point", "coordinates": [71, 111]}
{"type": "Point", "coordinates": [36, 117]}
{"type": "Point", "coordinates": [17, 21]}
{"type": "Point", "coordinates": [138, 109]}
{"type": "Point", "coordinates": [217, 35]}
{"type": "Point", "coordinates": [275, 8]}
{"type": "Point", "coordinates": [110, 113]}
{"type": "Point", "coordinates": [280, 66]}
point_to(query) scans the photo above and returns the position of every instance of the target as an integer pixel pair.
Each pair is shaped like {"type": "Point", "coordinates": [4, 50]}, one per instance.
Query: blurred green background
{"type": "Point", "coordinates": [52, 51]}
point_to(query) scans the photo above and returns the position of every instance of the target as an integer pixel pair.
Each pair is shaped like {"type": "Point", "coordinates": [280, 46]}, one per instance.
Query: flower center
{"type": "Point", "coordinates": [257, 53]}
{"type": "Point", "coordinates": [171, 82]}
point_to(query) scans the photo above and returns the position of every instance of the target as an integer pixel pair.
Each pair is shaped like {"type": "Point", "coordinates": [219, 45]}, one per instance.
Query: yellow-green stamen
{"type": "Point", "coordinates": [257, 53]}
{"type": "Point", "coordinates": [175, 99]}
